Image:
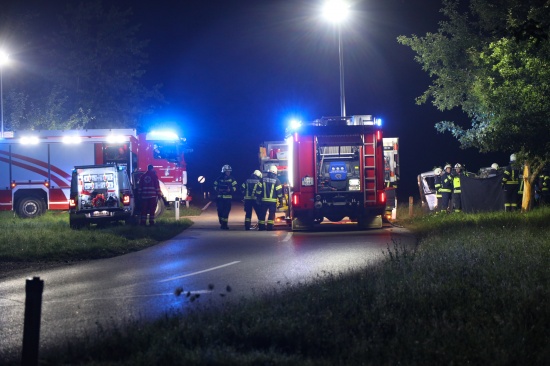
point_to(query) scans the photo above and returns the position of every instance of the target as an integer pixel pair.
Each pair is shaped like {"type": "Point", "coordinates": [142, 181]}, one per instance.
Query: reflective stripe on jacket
{"type": "Point", "coordinates": [270, 189]}
{"type": "Point", "coordinates": [225, 186]}
{"type": "Point", "coordinates": [149, 186]}
{"type": "Point", "coordinates": [249, 187]}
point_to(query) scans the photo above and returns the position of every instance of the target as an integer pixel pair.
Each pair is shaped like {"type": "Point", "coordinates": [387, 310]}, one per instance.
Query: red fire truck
{"type": "Point", "coordinates": [336, 170]}
{"type": "Point", "coordinates": [36, 166]}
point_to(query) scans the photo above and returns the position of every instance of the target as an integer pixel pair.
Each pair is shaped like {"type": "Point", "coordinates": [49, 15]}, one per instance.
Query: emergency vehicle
{"type": "Point", "coordinates": [100, 194]}
{"type": "Point", "coordinates": [336, 170]}
{"type": "Point", "coordinates": [36, 166]}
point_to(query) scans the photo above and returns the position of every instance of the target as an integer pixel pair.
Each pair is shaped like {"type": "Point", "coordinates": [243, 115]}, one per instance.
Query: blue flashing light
{"type": "Point", "coordinates": [163, 135]}
{"type": "Point", "coordinates": [378, 122]}
{"type": "Point", "coordinates": [294, 125]}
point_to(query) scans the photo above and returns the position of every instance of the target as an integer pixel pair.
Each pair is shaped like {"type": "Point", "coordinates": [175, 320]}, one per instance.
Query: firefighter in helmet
{"type": "Point", "coordinates": [224, 187]}
{"type": "Point", "coordinates": [437, 184]}
{"type": "Point", "coordinates": [493, 171]}
{"type": "Point", "coordinates": [510, 182]}
{"type": "Point", "coordinates": [446, 189]}
{"type": "Point", "coordinates": [457, 192]}
{"type": "Point", "coordinates": [248, 189]}
{"type": "Point", "coordinates": [543, 183]}
{"type": "Point", "coordinates": [269, 191]}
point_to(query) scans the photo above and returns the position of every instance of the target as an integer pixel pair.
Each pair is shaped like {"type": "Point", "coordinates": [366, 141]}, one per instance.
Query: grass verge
{"type": "Point", "coordinates": [476, 291]}
{"type": "Point", "coordinates": [50, 239]}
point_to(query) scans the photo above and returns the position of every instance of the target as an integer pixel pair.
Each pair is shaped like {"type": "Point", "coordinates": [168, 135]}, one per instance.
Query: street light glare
{"type": "Point", "coordinates": [4, 58]}
{"type": "Point", "coordinates": [335, 10]}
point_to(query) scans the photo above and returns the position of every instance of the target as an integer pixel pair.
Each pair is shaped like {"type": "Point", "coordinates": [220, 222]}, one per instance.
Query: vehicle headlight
{"type": "Point", "coordinates": [354, 185]}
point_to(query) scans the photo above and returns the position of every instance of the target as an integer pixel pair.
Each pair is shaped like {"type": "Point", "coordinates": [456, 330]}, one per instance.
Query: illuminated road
{"type": "Point", "coordinates": [143, 284]}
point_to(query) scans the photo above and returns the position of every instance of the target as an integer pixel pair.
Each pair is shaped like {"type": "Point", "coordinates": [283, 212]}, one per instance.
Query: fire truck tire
{"type": "Point", "coordinates": [30, 207]}
{"type": "Point", "coordinates": [160, 208]}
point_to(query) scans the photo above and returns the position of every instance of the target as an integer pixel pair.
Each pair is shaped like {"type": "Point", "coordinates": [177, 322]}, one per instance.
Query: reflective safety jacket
{"type": "Point", "coordinates": [270, 189]}
{"type": "Point", "coordinates": [437, 184]}
{"type": "Point", "coordinates": [456, 183]}
{"type": "Point", "coordinates": [249, 187]}
{"type": "Point", "coordinates": [148, 186]}
{"type": "Point", "coordinates": [544, 183]}
{"type": "Point", "coordinates": [225, 186]}
{"type": "Point", "coordinates": [446, 183]}
{"type": "Point", "coordinates": [510, 176]}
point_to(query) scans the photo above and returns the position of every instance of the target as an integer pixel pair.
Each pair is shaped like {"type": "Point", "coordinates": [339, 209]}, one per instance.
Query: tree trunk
{"type": "Point", "coordinates": [526, 203]}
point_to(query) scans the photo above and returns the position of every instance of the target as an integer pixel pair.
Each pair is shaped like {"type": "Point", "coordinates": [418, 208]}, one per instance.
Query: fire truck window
{"type": "Point", "coordinates": [168, 152]}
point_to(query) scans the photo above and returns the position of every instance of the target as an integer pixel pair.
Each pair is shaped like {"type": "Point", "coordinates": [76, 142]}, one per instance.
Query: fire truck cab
{"type": "Point", "coordinates": [336, 170]}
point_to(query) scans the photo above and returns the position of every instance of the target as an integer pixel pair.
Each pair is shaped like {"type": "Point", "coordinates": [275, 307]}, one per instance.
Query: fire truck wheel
{"type": "Point", "coordinates": [160, 208]}
{"type": "Point", "coordinates": [29, 207]}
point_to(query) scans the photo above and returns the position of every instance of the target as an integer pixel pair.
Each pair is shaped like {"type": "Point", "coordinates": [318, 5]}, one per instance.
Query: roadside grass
{"type": "Point", "coordinates": [50, 239]}
{"type": "Point", "coordinates": [475, 291]}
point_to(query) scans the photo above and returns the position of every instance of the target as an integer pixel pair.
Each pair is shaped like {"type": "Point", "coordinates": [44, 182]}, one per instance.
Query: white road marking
{"type": "Point", "coordinates": [288, 237]}
{"type": "Point", "coordinates": [198, 272]}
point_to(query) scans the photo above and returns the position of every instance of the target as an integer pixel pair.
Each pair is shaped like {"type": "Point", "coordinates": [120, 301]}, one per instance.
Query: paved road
{"type": "Point", "coordinates": [142, 285]}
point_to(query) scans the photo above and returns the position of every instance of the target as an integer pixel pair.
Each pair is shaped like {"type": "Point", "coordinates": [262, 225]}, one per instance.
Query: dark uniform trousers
{"type": "Point", "coordinates": [249, 205]}
{"type": "Point", "coordinates": [266, 207]}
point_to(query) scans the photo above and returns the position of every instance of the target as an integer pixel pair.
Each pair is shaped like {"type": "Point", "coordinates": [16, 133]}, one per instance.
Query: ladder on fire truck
{"type": "Point", "coordinates": [369, 171]}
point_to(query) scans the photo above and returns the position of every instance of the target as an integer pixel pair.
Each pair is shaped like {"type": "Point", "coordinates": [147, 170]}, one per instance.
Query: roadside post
{"type": "Point", "coordinates": [177, 208]}
{"type": "Point", "coordinates": [31, 328]}
{"type": "Point", "coordinates": [201, 180]}
{"type": "Point", "coordinates": [411, 206]}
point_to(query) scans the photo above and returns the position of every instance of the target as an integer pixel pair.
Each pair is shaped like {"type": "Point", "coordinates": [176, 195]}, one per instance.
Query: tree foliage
{"type": "Point", "coordinates": [88, 65]}
{"type": "Point", "coordinates": [491, 58]}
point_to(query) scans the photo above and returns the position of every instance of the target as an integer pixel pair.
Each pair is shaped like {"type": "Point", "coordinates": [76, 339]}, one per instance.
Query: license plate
{"type": "Point", "coordinates": [100, 213]}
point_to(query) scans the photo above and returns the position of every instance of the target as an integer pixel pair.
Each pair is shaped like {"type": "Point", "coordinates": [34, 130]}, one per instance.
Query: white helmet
{"type": "Point", "coordinates": [226, 168]}
{"type": "Point", "coordinates": [513, 157]}
{"type": "Point", "coordinates": [448, 166]}
{"type": "Point", "coordinates": [273, 169]}
{"type": "Point", "coordinates": [437, 171]}
{"type": "Point", "coordinates": [258, 173]}
{"type": "Point", "coordinates": [494, 166]}
{"type": "Point", "coordinates": [458, 166]}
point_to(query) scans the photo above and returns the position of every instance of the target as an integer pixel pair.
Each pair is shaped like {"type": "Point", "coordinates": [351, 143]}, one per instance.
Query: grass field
{"type": "Point", "coordinates": [475, 291]}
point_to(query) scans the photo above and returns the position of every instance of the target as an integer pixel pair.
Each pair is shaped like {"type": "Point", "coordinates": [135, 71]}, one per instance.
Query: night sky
{"type": "Point", "coordinates": [235, 71]}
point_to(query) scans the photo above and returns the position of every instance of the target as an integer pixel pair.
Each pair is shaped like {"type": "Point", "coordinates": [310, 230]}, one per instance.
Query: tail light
{"type": "Point", "coordinates": [379, 135]}
{"type": "Point", "coordinates": [72, 202]}
{"type": "Point", "coordinates": [126, 200]}
{"type": "Point", "coordinates": [295, 199]}
{"type": "Point", "coordinates": [382, 197]}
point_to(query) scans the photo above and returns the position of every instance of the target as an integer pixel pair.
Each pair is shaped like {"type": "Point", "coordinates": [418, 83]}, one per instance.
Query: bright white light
{"type": "Point", "coordinates": [72, 139]}
{"type": "Point", "coordinates": [29, 140]}
{"type": "Point", "coordinates": [290, 157]}
{"type": "Point", "coordinates": [115, 139]}
{"type": "Point", "coordinates": [378, 121]}
{"type": "Point", "coordinates": [4, 58]}
{"type": "Point", "coordinates": [335, 10]}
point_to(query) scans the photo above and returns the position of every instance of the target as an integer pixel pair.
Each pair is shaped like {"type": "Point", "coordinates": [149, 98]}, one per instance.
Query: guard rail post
{"type": "Point", "coordinates": [31, 329]}
{"type": "Point", "coordinates": [177, 208]}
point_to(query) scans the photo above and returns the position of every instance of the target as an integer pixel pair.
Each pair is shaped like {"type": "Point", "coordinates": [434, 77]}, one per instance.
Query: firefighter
{"type": "Point", "coordinates": [248, 189]}
{"type": "Point", "coordinates": [270, 190]}
{"type": "Point", "coordinates": [149, 193]}
{"type": "Point", "coordinates": [224, 187]}
{"type": "Point", "coordinates": [457, 192]}
{"type": "Point", "coordinates": [493, 171]}
{"type": "Point", "coordinates": [510, 182]}
{"type": "Point", "coordinates": [446, 189]}
{"type": "Point", "coordinates": [437, 184]}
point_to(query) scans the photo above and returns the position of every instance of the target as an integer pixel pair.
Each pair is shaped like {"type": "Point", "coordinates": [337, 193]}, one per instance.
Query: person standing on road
{"type": "Point", "coordinates": [510, 182]}
{"type": "Point", "coordinates": [446, 189]}
{"type": "Point", "coordinates": [224, 187]}
{"type": "Point", "coordinates": [248, 189]}
{"type": "Point", "coordinates": [270, 190]}
{"type": "Point", "coordinates": [149, 192]}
